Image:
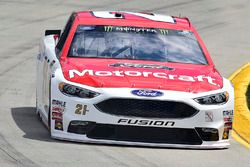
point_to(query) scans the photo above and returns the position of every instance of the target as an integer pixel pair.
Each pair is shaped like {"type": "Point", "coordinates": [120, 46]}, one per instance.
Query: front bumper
{"type": "Point", "coordinates": [83, 139]}
{"type": "Point", "coordinates": [207, 128]}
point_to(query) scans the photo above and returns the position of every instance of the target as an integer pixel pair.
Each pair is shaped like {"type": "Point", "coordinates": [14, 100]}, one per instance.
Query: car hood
{"type": "Point", "coordinates": [113, 73]}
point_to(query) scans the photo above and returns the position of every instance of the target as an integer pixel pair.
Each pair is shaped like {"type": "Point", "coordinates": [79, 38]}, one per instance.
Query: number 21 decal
{"type": "Point", "coordinates": [81, 109]}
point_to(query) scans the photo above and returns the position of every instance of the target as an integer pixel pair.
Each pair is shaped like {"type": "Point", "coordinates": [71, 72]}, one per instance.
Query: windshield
{"type": "Point", "coordinates": [116, 42]}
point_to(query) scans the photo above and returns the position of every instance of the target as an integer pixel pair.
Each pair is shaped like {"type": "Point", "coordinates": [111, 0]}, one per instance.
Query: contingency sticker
{"type": "Point", "coordinates": [209, 117]}
{"type": "Point", "coordinates": [228, 123]}
{"type": "Point", "coordinates": [58, 125]}
{"type": "Point", "coordinates": [57, 109]}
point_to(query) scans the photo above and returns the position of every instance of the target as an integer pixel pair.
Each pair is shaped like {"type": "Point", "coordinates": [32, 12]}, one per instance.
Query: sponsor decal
{"type": "Point", "coordinates": [144, 30]}
{"type": "Point", "coordinates": [81, 109]}
{"type": "Point", "coordinates": [130, 65]}
{"type": "Point", "coordinates": [108, 28]}
{"type": "Point", "coordinates": [209, 117]}
{"type": "Point", "coordinates": [228, 113]}
{"type": "Point", "coordinates": [129, 29]}
{"type": "Point", "coordinates": [225, 134]}
{"type": "Point", "coordinates": [228, 116]}
{"type": "Point", "coordinates": [228, 123]}
{"type": "Point", "coordinates": [58, 125]}
{"type": "Point", "coordinates": [58, 109]}
{"type": "Point", "coordinates": [57, 116]}
{"type": "Point", "coordinates": [229, 119]}
{"type": "Point", "coordinates": [145, 122]}
{"type": "Point", "coordinates": [147, 93]}
{"type": "Point", "coordinates": [164, 31]}
{"type": "Point", "coordinates": [58, 103]}
{"type": "Point", "coordinates": [201, 78]}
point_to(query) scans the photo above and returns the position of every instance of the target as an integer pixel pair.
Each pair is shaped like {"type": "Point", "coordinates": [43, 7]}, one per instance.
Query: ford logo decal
{"type": "Point", "coordinates": [147, 93]}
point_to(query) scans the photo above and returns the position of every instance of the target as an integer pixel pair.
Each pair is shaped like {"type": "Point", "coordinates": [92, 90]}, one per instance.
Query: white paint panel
{"type": "Point", "coordinates": [155, 17]}
{"type": "Point", "coordinates": [104, 14]}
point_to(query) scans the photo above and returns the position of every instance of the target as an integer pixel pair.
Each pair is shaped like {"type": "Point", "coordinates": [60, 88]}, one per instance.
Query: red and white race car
{"type": "Point", "coordinates": [134, 79]}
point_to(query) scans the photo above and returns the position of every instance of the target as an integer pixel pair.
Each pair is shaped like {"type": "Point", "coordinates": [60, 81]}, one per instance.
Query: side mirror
{"type": "Point", "coordinates": [53, 32]}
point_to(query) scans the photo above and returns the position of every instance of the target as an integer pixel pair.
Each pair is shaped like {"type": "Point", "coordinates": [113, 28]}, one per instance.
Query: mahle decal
{"type": "Point", "coordinates": [59, 103]}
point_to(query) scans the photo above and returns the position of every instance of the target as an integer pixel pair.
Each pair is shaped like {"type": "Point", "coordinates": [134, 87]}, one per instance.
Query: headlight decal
{"type": "Point", "coordinates": [71, 90]}
{"type": "Point", "coordinates": [219, 98]}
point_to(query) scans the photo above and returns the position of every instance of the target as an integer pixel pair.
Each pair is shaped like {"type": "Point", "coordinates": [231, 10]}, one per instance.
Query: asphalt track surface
{"type": "Point", "coordinates": [24, 141]}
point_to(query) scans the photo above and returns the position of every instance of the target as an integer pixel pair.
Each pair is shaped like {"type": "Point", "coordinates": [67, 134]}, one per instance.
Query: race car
{"type": "Point", "coordinates": [132, 78]}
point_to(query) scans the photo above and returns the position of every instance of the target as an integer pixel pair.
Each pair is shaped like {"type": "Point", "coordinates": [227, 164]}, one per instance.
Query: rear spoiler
{"type": "Point", "coordinates": [53, 32]}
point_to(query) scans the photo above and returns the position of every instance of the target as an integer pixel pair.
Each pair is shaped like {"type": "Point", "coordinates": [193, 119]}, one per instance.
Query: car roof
{"type": "Point", "coordinates": [133, 18]}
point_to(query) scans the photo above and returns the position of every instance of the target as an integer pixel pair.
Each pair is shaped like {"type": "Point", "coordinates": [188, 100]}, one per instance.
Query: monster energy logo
{"type": "Point", "coordinates": [163, 31]}
{"type": "Point", "coordinates": [108, 28]}
{"type": "Point", "coordinates": [134, 29]}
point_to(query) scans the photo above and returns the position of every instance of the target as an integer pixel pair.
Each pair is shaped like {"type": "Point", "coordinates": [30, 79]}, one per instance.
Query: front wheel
{"type": "Point", "coordinates": [49, 123]}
